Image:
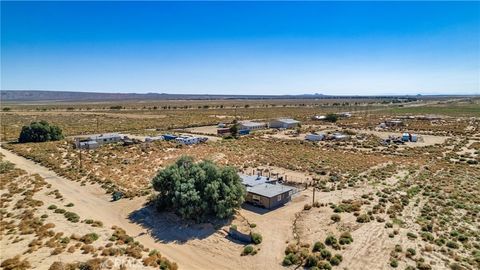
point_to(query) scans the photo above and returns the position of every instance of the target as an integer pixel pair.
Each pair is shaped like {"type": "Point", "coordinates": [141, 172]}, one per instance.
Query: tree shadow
{"type": "Point", "coordinates": [166, 227]}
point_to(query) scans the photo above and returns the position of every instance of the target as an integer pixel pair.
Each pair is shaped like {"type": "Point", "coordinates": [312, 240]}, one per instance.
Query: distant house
{"type": "Point", "coordinates": [94, 141]}
{"type": "Point", "coordinates": [169, 137]}
{"type": "Point", "coordinates": [188, 140]}
{"type": "Point", "coordinates": [265, 192]}
{"type": "Point", "coordinates": [87, 145]}
{"type": "Point", "coordinates": [344, 114]}
{"type": "Point", "coordinates": [314, 137]}
{"type": "Point", "coordinates": [249, 125]}
{"type": "Point", "coordinates": [223, 132]}
{"type": "Point", "coordinates": [284, 123]}
{"type": "Point", "coordinates": [106, 138]}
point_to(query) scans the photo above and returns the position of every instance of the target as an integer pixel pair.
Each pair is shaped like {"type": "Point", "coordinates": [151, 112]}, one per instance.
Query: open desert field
{"type": "Point", "coordinates": [358, 203]}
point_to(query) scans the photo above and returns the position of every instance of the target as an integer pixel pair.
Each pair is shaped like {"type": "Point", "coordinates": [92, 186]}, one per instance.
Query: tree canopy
{"type": "Point", "coordinates": [199, 190]}
{"type": "Point", "coordinates": [40, 132]}
{"type": "Point", "coordinates": [331, 117]}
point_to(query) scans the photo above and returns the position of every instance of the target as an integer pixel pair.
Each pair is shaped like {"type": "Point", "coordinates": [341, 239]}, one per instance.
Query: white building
{"type": "Point", "coordinates": [249, 125]}
{"type": "Point", "coordinates": [284, 123]}
{"type": "Point", "coordinates": [94, 141]}
{"type": "Point", "coordinates": [315, 137]}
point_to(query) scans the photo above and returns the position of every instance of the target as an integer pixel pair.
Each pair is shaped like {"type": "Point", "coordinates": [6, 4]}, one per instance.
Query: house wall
{"type": "Point", "coordinates": [268, 202]}
{"type": "Point", "coordinates": [280, 124]}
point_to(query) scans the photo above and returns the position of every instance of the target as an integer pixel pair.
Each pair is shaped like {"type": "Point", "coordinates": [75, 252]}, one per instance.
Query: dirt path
{"type": "Point", "coordinates": [92, 202]}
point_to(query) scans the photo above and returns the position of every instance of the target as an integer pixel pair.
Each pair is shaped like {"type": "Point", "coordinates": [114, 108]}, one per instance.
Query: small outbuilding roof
{"type": "Point", "coordinates": [269, 190]}
{"type": "Point", "coordinates": [104, 136]}
{"type": "Point", "coordinates": [252, 124]}
{"type": "Point", "coordinates": [288, 120]}
{"type": "Point", "coordinates": [253, 180]}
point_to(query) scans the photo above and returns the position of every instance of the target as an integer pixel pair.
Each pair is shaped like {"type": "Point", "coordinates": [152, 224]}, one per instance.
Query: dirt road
{"type": "Point", "coordinates": [93, 203]}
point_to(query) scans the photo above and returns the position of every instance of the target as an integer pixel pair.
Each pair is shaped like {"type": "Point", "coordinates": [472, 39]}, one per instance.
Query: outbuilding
{"type": "Point", "coordinates": [249, 125]}
{"type": "Point", "coordinates": [284, 123]}
{"type": "Point", "coordinates": [315, 137]}
{"type": "Point", "coordinates": [269, 195]}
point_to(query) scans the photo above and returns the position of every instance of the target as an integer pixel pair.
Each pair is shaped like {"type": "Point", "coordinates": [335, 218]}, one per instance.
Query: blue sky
{"type": "Point", "coordinates": [343, 48]}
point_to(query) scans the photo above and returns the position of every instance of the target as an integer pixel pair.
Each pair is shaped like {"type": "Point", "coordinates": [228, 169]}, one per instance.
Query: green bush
{"type": "Point", "coordinates": [345, 238]}
{"type": "Point", "coordinates": [335, 217]}
{"type": "Point", "coordinates": [311, 261]}
{"type": "Point", "coordinates": [247, 250]}
{"type": "Point", "coordinates": [89, 238]}
{"type": "Point", "coordinates": [324, 265]}
{"type": "Point", "coordinates": [452, 244]}
{"type": "Point", "coordinates": [325, 254]}
{"type": "Point", "coordinates": [394, 263]}
{"type": "Point", "coordinates": [363, 218]}
{"type": "Point", "coordinates": [69, 205]}
{"type": "Point", "coordinates": [52, 207]}
{"type": "Point", "coordinates": [318, 246]}
{"type": "Point", "coordinates": [290, 259]}
{"type": "Point", "coordinates": [40, 132]}
{"type": "Point", "coordinates": [330, 240]}
{"type": "Point", "coordinates": [336, 260]}
{"type": "Point", "coordinates": [60, 211]}
{"type": "Point", "coordinates": [256, 238]}
{"type": "Point", "coordinates": [199, 190]}
{"type": "Point", "coordinates": [72, 217]}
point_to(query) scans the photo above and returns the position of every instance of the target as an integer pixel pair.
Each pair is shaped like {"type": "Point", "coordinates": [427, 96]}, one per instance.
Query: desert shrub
{"type": "Point", "coordinates": [336, 260]}
{"type": "Point", "coordinates": [394, 263]}
{"type": "Point", "coordinates": [52, 207]}
{"type": "Point", "coordinates": [452, 244]}
{"type": "Point", "coordinates": [6, 166]}
{"type": "Point", "coordinates": [247, 250]}
{"type": "Point", "coordinates": [335, 217]}
{"type": "Point", "coordinates": [290, 259]}
{"type": "Point", "coordinates": [291, 248]}
{"type": "Point", "coordinates": [423, 266]}
{"type": "Point", "coordinates": [72, 217]}
{"type": "Point", "coordinates": [307, 207]}
{"type": "Point", "coordinates": [311, 261]}
{"type": "Point", "coordinates": [330, 240]}
{"type": "Point", "coordinates": [15, 263]}
{"type": "Point", "coordinates": [325, 254]}
{"type": "Point", "coordinates": [89, 238]}
{"type": "Point", "coordinates": [363, 218]}
{"type": "Point", "coordinates": [256, 238]}
{"type": "Point", "coordinates": [69, 205]}
{"type": "Point", "coordinates": [253, 225]}
{"type": "Point", "coordinates": [345, 238]}
{"type": "Point", "coordinates": [324, 265]}
{"type": "Point", "coordinates": [199, 190]}
{"type": "Point", "coordinates": [60, 211]}
{"type": "Point", "coordinates": [411, 252]}
{"type": "Point", "coordinates": [40, 132]}
{"type": "Point", "coordinates": [331, 117]}
{"type": "Point", "coordinates": [411, 235]}
{"type": "Point", "coordinates": [318, 246]}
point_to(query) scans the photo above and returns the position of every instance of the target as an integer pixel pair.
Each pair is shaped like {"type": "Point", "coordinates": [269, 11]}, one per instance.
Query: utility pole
{"type": "Point", "coordinates": [314, 188]}
{"type": "Point", "coordinates": [97, 126]}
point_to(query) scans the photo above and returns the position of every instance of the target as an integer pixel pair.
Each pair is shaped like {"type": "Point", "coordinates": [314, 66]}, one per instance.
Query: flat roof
{"type": "Point", "coordinates": [253, 180]}
{"type": "Point", "coordinates": [288, 120]}
{"type": "Point", "coordinates": [105, 135]}
{"type": "Point", "coordinates": [252, 124]}
{"type": "Point", "coordinates": [269, 190]}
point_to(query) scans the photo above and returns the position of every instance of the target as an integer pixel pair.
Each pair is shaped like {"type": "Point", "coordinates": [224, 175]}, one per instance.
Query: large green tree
{"type": "Point", "coordinates": [199, 190]}
{"type": "Point", "coordinates": [40, 132]}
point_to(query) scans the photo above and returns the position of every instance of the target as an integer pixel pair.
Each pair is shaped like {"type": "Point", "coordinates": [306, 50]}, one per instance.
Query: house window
{"type": "Point", "coordinates": [279, 197]}
{"type": "Point", "coordinates": [256, 197]}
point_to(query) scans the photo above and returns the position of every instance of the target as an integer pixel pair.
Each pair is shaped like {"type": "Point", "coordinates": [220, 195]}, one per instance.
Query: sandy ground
{"type": "Point", "coordinates": [424, 140]}
{"type": "Point", "coordinates": [207, 130]}
{"type": "Point", "coordinates": [191, 248]}
{"type": "Point", "coordinates": [93, 203]}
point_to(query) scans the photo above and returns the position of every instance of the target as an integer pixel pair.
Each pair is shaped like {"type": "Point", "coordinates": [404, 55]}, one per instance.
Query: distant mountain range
{"type": "Point", "coordinates": [41, 95]}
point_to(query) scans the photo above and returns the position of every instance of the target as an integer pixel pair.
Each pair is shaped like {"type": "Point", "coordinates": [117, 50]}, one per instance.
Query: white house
{"type": "Point", "coordinates": [284, 123]}
{"type": "Point", "coordinates": [249, 125]}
